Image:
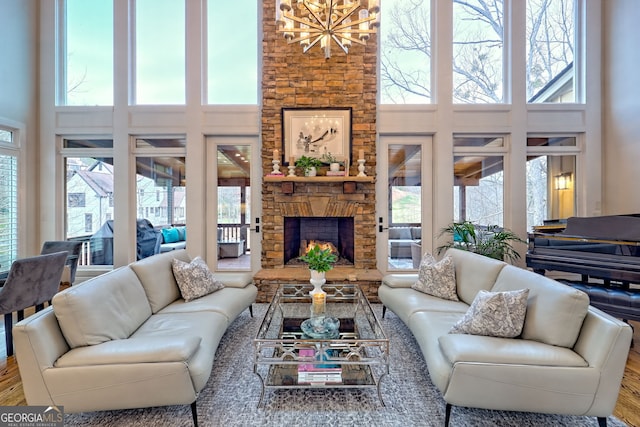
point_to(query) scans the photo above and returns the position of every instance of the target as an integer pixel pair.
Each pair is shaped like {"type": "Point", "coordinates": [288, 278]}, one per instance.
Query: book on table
{"type": "Point", "coordinates": [317, 372]}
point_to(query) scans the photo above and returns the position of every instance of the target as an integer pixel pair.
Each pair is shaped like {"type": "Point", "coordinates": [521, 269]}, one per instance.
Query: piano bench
{"type": "Point", "coordinates": [621, 303]}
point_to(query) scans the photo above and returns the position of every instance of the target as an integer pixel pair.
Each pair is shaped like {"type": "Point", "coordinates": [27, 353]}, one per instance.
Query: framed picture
{"type": "Point", "coordinates": [313, 132]}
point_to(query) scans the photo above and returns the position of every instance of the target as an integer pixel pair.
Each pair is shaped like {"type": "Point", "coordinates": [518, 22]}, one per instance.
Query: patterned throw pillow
{"type": "Point", "coordinates": [437, 278]}
{"type": "Point", "coordinates": [194, 279]}
{"type": "Point", "coordinates": [494, 314]}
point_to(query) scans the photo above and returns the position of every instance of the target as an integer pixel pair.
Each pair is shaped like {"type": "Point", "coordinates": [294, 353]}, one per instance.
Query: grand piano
{"type": "Point", "coordinates": [604, 251]}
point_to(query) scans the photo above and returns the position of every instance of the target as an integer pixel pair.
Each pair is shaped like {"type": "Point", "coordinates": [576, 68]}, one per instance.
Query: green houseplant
{"type": "Point", "coordinates": [491, 240]}
{"type": "Point", "coordinates": [320, 260]}
{"type": "Point", "coordinates": [308, 165]}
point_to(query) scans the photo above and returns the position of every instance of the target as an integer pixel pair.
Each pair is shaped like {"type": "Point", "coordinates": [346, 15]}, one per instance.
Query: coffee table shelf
{"type": "Point", "coordinates": [283, 355]}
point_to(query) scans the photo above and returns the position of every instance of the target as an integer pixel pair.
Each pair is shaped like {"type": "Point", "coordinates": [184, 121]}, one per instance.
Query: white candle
{"type": "Point", "coordinates": [292, 160]}
{"type": "Point", "coordinates": [276, 154]}
{"type": "Point", "coordinates": [361, 154]}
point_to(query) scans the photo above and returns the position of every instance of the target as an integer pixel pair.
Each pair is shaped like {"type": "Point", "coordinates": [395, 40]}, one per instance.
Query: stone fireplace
{"type": "Point", "coordinates": [291, 78]}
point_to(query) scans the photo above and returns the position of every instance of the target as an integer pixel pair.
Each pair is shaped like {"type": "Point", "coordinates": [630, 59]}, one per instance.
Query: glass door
{"type": "Point", "coordinates": [404, 209]}
{"type": "Point", "coordinates": [231, 204]}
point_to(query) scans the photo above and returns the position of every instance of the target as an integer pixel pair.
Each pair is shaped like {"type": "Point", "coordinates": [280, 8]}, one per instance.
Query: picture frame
{"type": "Point", "coordinates": [312, 132]}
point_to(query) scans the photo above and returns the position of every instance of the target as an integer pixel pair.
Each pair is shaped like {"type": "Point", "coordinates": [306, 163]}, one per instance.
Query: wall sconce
{"type": "Point", "coordinates": [563, 181]}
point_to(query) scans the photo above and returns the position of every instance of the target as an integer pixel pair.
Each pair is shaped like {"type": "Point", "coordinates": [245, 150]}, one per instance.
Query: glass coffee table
{"type": "Point", "coordinates": [355, 356]}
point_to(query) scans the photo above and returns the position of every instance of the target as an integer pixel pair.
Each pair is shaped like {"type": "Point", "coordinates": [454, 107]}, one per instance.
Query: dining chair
{"type": "Point", "coordinates": [31, 282]}
{"type": "Point", "coordinates": [73, 248]}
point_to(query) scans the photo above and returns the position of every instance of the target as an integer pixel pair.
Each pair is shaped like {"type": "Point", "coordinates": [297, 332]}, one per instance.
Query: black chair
{"type": "Point", "coordinates": [73, 248]}
{"type": "Point", "coordinates": [31, 282]}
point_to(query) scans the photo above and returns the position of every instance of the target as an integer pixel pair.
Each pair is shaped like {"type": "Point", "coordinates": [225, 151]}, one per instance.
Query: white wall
{"type": "Point", "coordinates": [18, 104]}
{"type": "Point", "coordinates": [621, 136]}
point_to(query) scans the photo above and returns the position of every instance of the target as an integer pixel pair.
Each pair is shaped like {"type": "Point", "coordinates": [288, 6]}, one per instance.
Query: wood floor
{"type": "Point", "coordinates": [627, 409]}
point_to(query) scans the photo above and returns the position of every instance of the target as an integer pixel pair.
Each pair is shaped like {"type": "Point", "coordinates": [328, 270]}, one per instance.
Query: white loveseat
{"type": "Point", "coordinates": [569, 358]}
{"type": "Point", "coordinates": [127, 339]}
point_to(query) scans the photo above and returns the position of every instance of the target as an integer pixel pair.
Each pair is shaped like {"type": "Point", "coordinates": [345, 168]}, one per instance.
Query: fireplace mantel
{"type": "Point", "coordinates": [285, 178]}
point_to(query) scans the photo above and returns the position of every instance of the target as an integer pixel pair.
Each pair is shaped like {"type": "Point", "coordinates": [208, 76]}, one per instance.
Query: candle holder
{"type": "Point", "coordinates": [292, 169]}
{"type": "Point", "coordinates": [361, 167]}
{"type": "Point", "coordinates": [276, 167]}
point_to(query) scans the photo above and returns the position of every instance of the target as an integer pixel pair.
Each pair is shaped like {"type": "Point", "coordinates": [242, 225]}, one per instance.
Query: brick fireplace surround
{"type": "Point", "coordinates": [293, 79]}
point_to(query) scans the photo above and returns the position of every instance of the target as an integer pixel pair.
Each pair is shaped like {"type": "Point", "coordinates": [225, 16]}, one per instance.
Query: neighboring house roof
{"type": "Point", "coordinates": [556, 86]}
{"type": "Point", "coordinates": [101, 183]}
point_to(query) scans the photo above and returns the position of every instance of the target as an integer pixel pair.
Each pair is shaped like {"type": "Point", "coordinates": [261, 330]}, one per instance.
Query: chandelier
{"type": "Point", "coordinates": [312, 22]}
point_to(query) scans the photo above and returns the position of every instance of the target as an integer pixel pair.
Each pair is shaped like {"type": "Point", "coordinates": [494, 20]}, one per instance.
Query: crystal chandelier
{"type": "Point", "coordinates": [312, 22]}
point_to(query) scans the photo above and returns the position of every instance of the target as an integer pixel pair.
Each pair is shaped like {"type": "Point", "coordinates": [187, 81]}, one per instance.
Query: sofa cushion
{"type": "Point", "coordinates": [132, 350]}
{"type": "Point", "coordinates": [194, 278]}
{"type": "Point", "coordinates": [402, 233]}
{"type": "Point", "coordinates": [182, 232]}
{"type": "Point", "coordinates": [474, 272]}
{"type": "Point", "coordinates": [156, 275]}
{"type": "Point", "coordinates": [170, 235]}
{"type": "Point", "coordinates": [108, 307]}
{"type": "Point", "coordinates": [494, 314]}
{"type": "Point", "coordinates": [437, 278]}
{"type": "Point", "coordinates": [555, 311]}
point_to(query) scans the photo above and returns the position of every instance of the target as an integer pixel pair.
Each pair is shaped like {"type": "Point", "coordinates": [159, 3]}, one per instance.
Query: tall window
{"type": "Point", "coordinates": [478, 31]}
{"type": "Point", "coordinates": [89, 195]}
{"type": "Point", "coordinates": [160, 52]}
{"type": "Point", "coordinates": [89, 53]}
{"type": "Point", "coordinates": [550, 50]}
{"type": "Point", "coordinates": [232, 72]}
{"type": "Point", "coordinates": [551, 177]}
{"type": "Point", "coordinates": [8, 201]}
{"type": "Point", "coordinates": [405, 54]}
{"type": "Point", "coordinates": [478, 174]}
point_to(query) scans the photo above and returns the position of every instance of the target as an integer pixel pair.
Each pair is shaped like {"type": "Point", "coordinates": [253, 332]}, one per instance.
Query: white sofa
{"type": "Point", "coordinates": [127, 339]}
{"type": "Point", "coordinates": [569, 358]}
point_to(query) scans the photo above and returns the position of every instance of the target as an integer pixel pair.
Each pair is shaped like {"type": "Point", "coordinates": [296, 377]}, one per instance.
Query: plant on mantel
{"type": "Point", "coordinates": [308, 164]}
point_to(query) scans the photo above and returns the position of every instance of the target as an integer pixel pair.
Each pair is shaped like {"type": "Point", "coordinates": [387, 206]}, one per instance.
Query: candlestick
{"type": "Point", "coordinates": [292, 169]}
{"type": "Point", "coordinates": [276, 167]}
{"type": "Point", "coordinates": [361, 167]}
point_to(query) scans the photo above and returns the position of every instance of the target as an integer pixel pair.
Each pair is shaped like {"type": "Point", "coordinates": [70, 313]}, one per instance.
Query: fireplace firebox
{"type": "Point", "coordinates": [338, 231]}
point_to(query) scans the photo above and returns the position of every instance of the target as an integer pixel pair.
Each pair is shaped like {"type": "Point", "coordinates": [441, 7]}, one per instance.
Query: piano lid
{"type": "Point", "coordinates": [611, 227]}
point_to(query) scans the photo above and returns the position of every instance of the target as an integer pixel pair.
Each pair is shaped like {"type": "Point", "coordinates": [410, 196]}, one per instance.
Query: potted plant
{"type": "Point", "coordinates": [320, 260]}
{"type": "Point", "coordinates": [308, 164]}
{"type": "Point", "coordinates": [331, 160]}
{"type": "Point", "coordinates": [491, 240]}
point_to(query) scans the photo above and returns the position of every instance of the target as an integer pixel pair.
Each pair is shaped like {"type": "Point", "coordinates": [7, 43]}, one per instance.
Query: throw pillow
{"type": "Point", "coordinates": [494, 314]}
{"type": "Point", "coordinates": [170, 235]}
{"type": "Point", "coordinates": [194, 278]}
{"type": "Point", "coordinates": [437, 278]}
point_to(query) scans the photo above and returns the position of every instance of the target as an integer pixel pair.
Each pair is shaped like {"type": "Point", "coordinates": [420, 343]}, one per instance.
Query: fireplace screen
{"type": "Point", "coordinates": [336, 233]}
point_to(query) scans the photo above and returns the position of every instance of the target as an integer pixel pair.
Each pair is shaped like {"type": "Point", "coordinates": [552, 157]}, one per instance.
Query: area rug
{"type": "Point", "coordinates": [232, 393]}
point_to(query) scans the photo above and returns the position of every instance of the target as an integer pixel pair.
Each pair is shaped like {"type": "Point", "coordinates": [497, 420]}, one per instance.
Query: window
{"type": "Point", "coordinates": [232, 71]}
{"type": "Point", "coordinates": [76, 200]}
{"type": "Point", "coordinates": [89, 53]}
{"type": "Point", "coordinates": [550, 50]}
{"type": "Point", "coordinates": [160, 52]}
{"type": "Point", "coordinates": [88, 223]}
{"type": "Point", "coordinates": [478, 175]}
{"type": "Point", "coordinates": [551, 177]}
{"type": "Point", "coordinates": [161, 180]}
{"type": "Point", "coordinates": [478, 31]}
{"type": "Point", "coordinates": [8, 207]}
{"type": "Point", "coordinates": [405, 53]}
{"type": "Point", "coordinates": [89, 194]}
